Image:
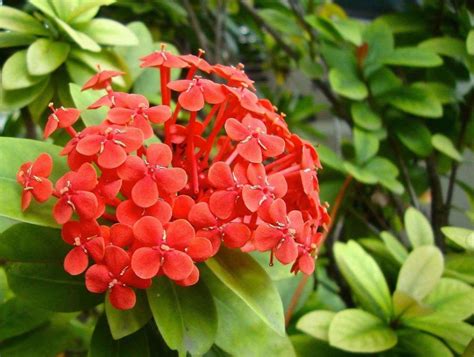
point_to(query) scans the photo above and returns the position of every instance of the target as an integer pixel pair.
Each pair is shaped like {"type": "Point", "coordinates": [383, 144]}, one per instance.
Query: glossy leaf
{"type": "Point", "coordinates": [19, 21]}
{"type": "Point", "coordinates": [444, 145]}
{"type": "Point", "coordinates": [418, 228]}
{"type": "Point", "coordinates": [185, 316]}
{"type": "Point", "coordinates": [413, 57]}
{"type": "Point", "coordinates": [383, 81]}
{"type": "Point", "coordinates": [365, 278]}
{"type": "Point", "coordinates": [109, 32]}
{"type": "Point", "coordinates": [240, 273]}
{"type": "Point", "coordinates": [396, 249]}
{"type": "Point", "coordinates": [306, 346]}
{"type": "Point", "coordinates": [49, 287]}
{"type": "Point", "coordinates": [421, 272]}
{"type": "Point", "coordinates": [316, 324]}
{"type": "Point", "coordinates": [415, 136]}
{"type": "Point", "coordinates": [461, 236]}
{"type": "Point", "coordinates": [385, 173]}
{"type": "Point", "coordinates": [15, 73]}
{"type": "Point", "coordinates": [356, 330]}
{"type": "Point", "coordinates": [44, 56]}
{"type": "Point", "coordinates": [84, 41]}
{"type": "Point", "coordinates": [405, 307]}
{"type": "Point", "coordinates": [446, 46]}
{"type": "Point", "coordinates": [126, 322]}
{"type": "Point", "coordinates": [460, 266]}
{"type": "Point", "coordinates": [419, 344]}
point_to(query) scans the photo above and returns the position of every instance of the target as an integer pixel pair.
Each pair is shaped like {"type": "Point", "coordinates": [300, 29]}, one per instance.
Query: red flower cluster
{"type": "Point", "coordinates": [229, 172]}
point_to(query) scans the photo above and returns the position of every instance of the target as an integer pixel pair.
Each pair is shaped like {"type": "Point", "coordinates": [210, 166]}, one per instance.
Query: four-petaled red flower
{"type": "Point", "coordinates": [101, 80]}
{"type": "Point", "coordinates": [196, 92]}
{"type": "Point", "coordinates": [60, 118]}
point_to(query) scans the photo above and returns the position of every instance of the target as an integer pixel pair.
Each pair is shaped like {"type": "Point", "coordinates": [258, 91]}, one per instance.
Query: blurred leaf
{"type": "Point", "coordinates": [385, 173]}
{"type": "Point", "coordinates": [126, 322]}
{"type": "Point", "coordinates": [379, 39]}
{"type": "Point", "coordinates": [347, 84]}
{"type": "Point", "coordinates": [185, 316]}
{"type": "Point", "coordinates": [395, 248]}
{"type": "Point", "coordinates": [460, 266]}
{"type": "Point", "coordinates": [442, 92]}
{"type": "Point", "coordinates": [13, 39]}
{"type": "Point", "coordinates": [452, 299]}
{"type": "Point", "coordinates": [281, 21]}
{"type": "Point", "coordinates": [86, 10]}
{"type": "Point", "coordinates": [38, 106]}
{"type": "Point", "coordinates": [330, 159]}
{"type": "Point", "coordinates": [412, 57]}
{"type": "Point", "coordinates": [383, 81]}
{"type": "Point", "coordinates": [417, 101]}
{"type": "Point", "coordinates": [444, 145]}
{"type": "Point", "coordinates": [228, 264]}
{"type": "Point", "coordinates": [446, 46]}
{"type": "Point", "coordinates": [418, 228]}
{"type": "Point", "coordinates": [359, 173]}
{"type": "Point", "coordinates": [44, 56]}
{"type": "Point", "coordinates": [418, 344]}
{"type": "Point", "coordinates": [82, 99]}
{"type": "Point", "coordinates": [403, 22]}
{"type": "Point", "coordinates": [365, 117]}
{"type": "Point", "coordinates": [461, 236]}
{"type": "Point", "coordinates": [350, 29]}
{"type": "Point", "coordinates": [84, 41]}
{"type": "Point", "coordinates": [109, 32]}
{"type": "Point", "coordinates": [15, 99]}
{"type": "Point", "coordinates": [19, 21]}
{"type": "Point", "coordinates": [316, 324]}
{"type": "Point", "coordinates": [366, 145]}
{"type": "Point", "coordinates": [405, 306]}
{"type": "Point", "coordinates": [306, 346]}
{"type": "Point", "coordinates": [470, 42]}
{"type": "Point", "coordinates": [421, 272]}
{"type": "Point", "coordinates": [103, 345]}
{"type": "Point", "coordinates": [356, 330]}
{"type": "Point", "coordinates": [15, 73]}
{"type": "Point", "coordinates": [365, 278]}
{"type": "Point", "coordinates": [415, 136]}
{"type": "Point", "coordinates": [45, 6]}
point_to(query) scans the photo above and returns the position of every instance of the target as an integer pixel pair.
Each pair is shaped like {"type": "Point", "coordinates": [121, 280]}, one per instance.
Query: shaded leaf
{"type": "Point", "coordinates": [417, 101]}
{"type": "Point", "coordinates": [364, 117]}
{"type": "Point", "coordinates": [412, 57]}
{"type": "Point", "coordinates": [347, 84]}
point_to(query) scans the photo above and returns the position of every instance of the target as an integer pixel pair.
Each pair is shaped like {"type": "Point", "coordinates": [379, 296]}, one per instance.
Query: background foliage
{"type": "Point", "coordinates": [389, 102]}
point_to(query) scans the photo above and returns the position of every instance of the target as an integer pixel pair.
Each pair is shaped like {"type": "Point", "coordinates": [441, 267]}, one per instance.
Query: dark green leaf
{"type": "Point", "coordinates": [442, 92]}
{"type": "Point", "coordinates": [19, 21]}
{"type": "Point", "coordinates": [364, 117]}
{"type": "Point", "coordinates": [366, 145]}
{"type": "Point", "coordinates": [415, 136]}
{"type": "Point", "coordinates": [419, 344]}
{"type": "Point", "coordinates": [412, 57]}
{"type": "Point", "coordinates": [359, 173]}
{"type": "Point", "coordinates": [185, 316]}
{"type": "Point", "coordinates": [383, 81]}
{"type": "Point", "coordinates": [418, 228]}
{"type": "Point", "coordinates": [417, 101]}
{"type": "Point", "coordinates": [15, 73]}
{"type": "Point", "coordinates": [15, 99]}
{"type": "Point", "coordinates": [379, 40]}
{"type": "Point", "coordinates": [306, 346]}
{"type": "Point", "coordinates": [403, 22]}
{"type": "Point", "coordinates": [44, 56]}
{"type": "Point", "coordinates": [38, 106]}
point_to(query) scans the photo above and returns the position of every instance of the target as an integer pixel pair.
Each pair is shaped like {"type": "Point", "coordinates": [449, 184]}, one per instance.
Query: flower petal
{"type": "Point", "coordinates": [159, 154]}
{"type": "Point", "coordinates": [76, 261]}
{"type": "Point", "coordinates": [116, 259]}
{"type": "Point", "coordinates": [201, 217]}
{"type": "Point", "coordinates": [121, 235]}
{"type": "Point", "coordinates": [287, 251]}
{"type": "Point", "coordinates": [222, 203]}
{"type": "Point", "coordinates": [97, 278]}
{"type": "Point", "coordinates": [146, 262]}
{"type": "Point", "coordinates": [306, 264]}
{"type": "Point", "coordinates": [236, 234]}
{"type": "Point", "coordinates": [192, 99]}
{"type": "Point", "coordinates": [177, 265]}
{"type": "Point", "coordinates": [112, 156]}
{"type": "Point", "coordinates": [145, 192]}
{"type": "Point", "coordinates": [179, 233]}
{"type": "Point", "coordinates": [182, 204]}
{"type": "Point", "coordinates": [200, 249]}
{"type": "Point", "coordinates": [272, 145]}
{"type": "Point", "coordinates": [158, 114]}
{"type": "Point", "coordinates": [192, 279]}
{"type": "Point", "coordinates": [86, 204]}
{"type": "Point", "coordinates": [42, 166]}
{"type": "Point", "coordinates": [132, 169]}
{"type": "Point", "coordinates": [253, 197]}
{"type": "Point", "coordinates": [220, 175]}
{"type": "Point", "coordinates": [251, 151]}
{"type": "Point", "coordinates": [171, 180]}
{"type": "Point", "coordinates": [148, 230]}
{"type": "Point", "coordinates": [96, 248]}
{"type": "Point", "coordinates": [266, 237]}
{"type": "Point", "coordinates": [122, 297]}
{"type": "Point", "coordinates": [120, 116]}
{"type": "Point", "coordinates": [236, 130]}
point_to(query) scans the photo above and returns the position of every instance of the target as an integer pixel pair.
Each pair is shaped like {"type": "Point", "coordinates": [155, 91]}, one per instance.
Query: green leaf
{"type": "Point", "coordinates": [242, 274]}
{"type": "Point", "coordinates": [125, 322]}
{"type": "Point", "coordinates": [419, 344]}
{"type": "Point", "coordinates": [13, 152]}
{"type": "Point", "coordinates": [86, 10]}
{"type": "Point", "coordinates": [418, 228]}
{"type": "Point", "coordinates": [383, 81]}
{"type": "Point", "coordinates": [15, 73]}
{"type": "Point", "coordinates": [239, 337]}
{"type": "Point", "coordinates": [19, 21]}
{"type": "Point", "coordinates": [460, 266]}
{"type": "Point", "coordinates": [415, 136]}
{"type": "Point", "coordinates": [456, 332]}
{"type": "Point", "coordinates": [38, 106]}
{"type": "Point", "coordinates": [405, 307]}
{"type": "Point", "coordinates": [359, 173]}
{"type": "Point", "coordinates": [15, 99]}
{"type": "Point", "coordinates": [84, 41]}
{"type": "Point", "coordinates": [421, 272]}
{"type": "Point", "coordinates": [350, 29]}
{"type": "Point", "coordinates": [403, 22]}
{"type": "Point", "coordinates": [380, 41]}
{"type": "Point", "coordinates": [395, 248]}
{"type": "Point", "coordinates": [442, 92]}
{"type": "Point", "coordinates": [365, 278]}
{"type": "Point", "coordinates": [28, 243]}
{"type": "Point", "coordinates": [103, 345]}
{"type": "Point", "coordinates": [364, 117]}
{"type": "Point", "coordinates": [82, 100]}
{"type": "Point", "coordinates": [452, 299]}
{"type": "Point", "coordinates": [347, 84]}
{"type": "Point", "coordinates": [444, 145]}
{"type": "Point", "coordinates": [330, 159]}
{"type": "Point", "coordinates": [13, 39]}
{"type": "Point", "coordinates": [49, 287]}
{"type": "Point", "coordinates": [445, 46]}
{"type": "Point", "coordinates": [44, 56]}
{"type": "Point", "coordinates": [356, 330]}
{"type": "Point", "coordinates": [385, 172]}
{"type": "Point", "coordinates": [316, 324]}
{"type": "Point", "coordinates": [417, 101]}
{"type": "Point", "coordinates": [366, 145]}
{"type": "Point", "coordinates": [44, 6]}
{"type": "Point", "coordinates": [306, 346]}
{"type": "Point", "coordinates": [185, 316]}
{"type": "Point", "coordinates": [413, 57]}
{"type": "Point", "coordinates": [17, 317]}
{"type": "Point", "coordinates": [470, 42]}
{"type": "Point", "coordinates": [461, 236]}
{"type": "Point", "coordinates": [109, 32]}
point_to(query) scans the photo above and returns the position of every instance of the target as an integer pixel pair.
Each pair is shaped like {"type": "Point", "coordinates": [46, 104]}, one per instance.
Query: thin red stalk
{"type": "Point", "coordinates": [190, 153]}
{"type": "Point", "coordinates": [288, 170]}
{"type": "Point", "coordinates": [334, 210]}
{"type": "Point", "coordinates": [209, 116]}
{"type": "Point", "coordinates": [71, 131]}
{"type": "Point", "coordinates": [279, 162]}
{"type": "Point", "coordinates": [232, 156]}
{"type": "Point", "coordinates": [191, 73]}
{"type": "Point", "coordinates": [222, 150]}
{"type": "Point", "coordinates": [215, 131]}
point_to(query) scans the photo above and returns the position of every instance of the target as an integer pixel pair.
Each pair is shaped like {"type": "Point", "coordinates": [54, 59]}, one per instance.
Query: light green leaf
{"type": "Point", "coordinates": [445, 46]}
{"type": "Point", "coordinates": [461, 236]}
{"type": "Point", "coordinates": [49, 287]}
{"type": "Point", "coordinates": [359, 173]}
{"type": "Point", "coordinates": [44, 6]}
{"type": "Point", "coordinates": [44, 56]}
{"type": "Point", "coordinates": [316, 324]}
{"type": "Point", "coordinates": [15, 73]}
{"type": "Point", "coordinates": [356, 330]}
{"type": "Point", "coordinates": [452, 299]}
{"type": "Point", "coordinates": [14, 39]}
{"type": "Point", "coordinates": [125, 322]}
{"type": "Point", "coordinates": [417, 101]}
{"type": "Point", "coordinates": [15, 99]}
{"type": "Point", "coordinates": [418, 228]}
{"type": "Point", "coordinates": [17, 317]}
{"type": "Point", "coordinates": [330, 159]}
{"type": "Point", "coordinates": [103, 345]}
{"type": "Point", "coordinates": [460, 266]}
{"type": "Point", "coordinates": [84, 41]}
{"type": "Point", "coordinates": [380, 40]}
{"type": "Point", "coordinates": [350, 29]}
{"type": "Point", "coordinates": [365, 278]}
{"type": "Point", "coordinates": [347, 84]}
{"type": "Point", "coordinates": [86, 10]}
{"type": "Point", "coordinates": [442, 92]}
{"type": "Point", "coordinates": [421, 272]}
{"type": "Point", "coordinates": [240, 273]}
{"type": "Point", "coordinates": [419, 344]}
{"type": "Point", "coordinates": [365, 117]}
{"type": "Point", "coordinates": [470, 42]}
{"type": "Point", "coordinates": [185, 316]}
{"type": "Point", "coordinates": [444, 145]}
{"type": "Point", "coordinates": [396, 249]}
{"type": "Point", "coordinates": [366, 145]}
{"type": "Point", "coordinates": [19, 21]}
{"type": "Point", "coordinates": [239, 337]}
{"type": "Point", "coordinates": [412, 57]}
{"type": "Point", "coordinates": [109, 32]}
{"type": "Point", "coordinates": [406, 307]}
{"type": "Point", "coordinates": [82, 99]}
{"type": "Point", "coordinates": [415, 136]}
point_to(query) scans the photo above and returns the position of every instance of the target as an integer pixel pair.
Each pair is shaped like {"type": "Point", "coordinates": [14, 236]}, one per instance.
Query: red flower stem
{"type": "Point", "coordinates": [71, 131]}
{"type": "Point", "coordinates": [220, 120]}
{"type": "Point", "coordinates": [190, 153]}
{"type": "Point", "coordinates": [222, 150]}
{"type": "Point", "coordinates": [280, 162]}
{"type": "Point", "coordinates": [171, 122]}
{"type": "Point", "coordinates": [334, 210]}
{"type": "Point", "coordinates": [232, 156]}
{"type": "Point", "coordinates": [209, 117]}
{"type": "Point", "coordinates": [164, 76]}
{"type": "Point", "coordinates": [288, 170]}
{"type": "Point", "coordinates": [109, 216]}
{"type": "Point", "coordinates": [191, 73]}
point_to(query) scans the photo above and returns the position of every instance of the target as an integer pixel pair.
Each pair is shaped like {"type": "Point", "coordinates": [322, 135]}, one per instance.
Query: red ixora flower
{"type": "Point", "coordinates": [228, 171]}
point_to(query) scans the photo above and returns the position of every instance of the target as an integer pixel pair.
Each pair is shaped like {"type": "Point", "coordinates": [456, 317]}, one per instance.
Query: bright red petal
{"type": "Point", "coordinates": [122, 297]}
{"type": "Point", "coordinates": [236, 130]}
{"type": "Point", "coordinates": [220, 175]}
{"type": "Point", "coordinates": [179, 233]}
{"type": "Point", "coordinates": [287, 251]}
{"type": "Point", "coordinates": [200, 249]}
{"type": "Point", "coordinates": [192, 99]}
{"type": "Point", "coordinates": [146, 262]}
{"type": "Point", "coordinates": [76, 261]}
{"type": "Point", "coordinates": [148, 230]}
{"type": "Point", "coordinates": [97, 278]}
{"type": "Point", "coordinates": [236, 234]}
{"type": "Point", "coordinates": [201, 217]}
{"type": "Point", "coordinates": [116, 259]}
{"type": "Point", "coordinates": [266, 237]}
{"type": "Point", "coordinates": [145, 192]}
{"type": "Point", "coordinates": [251, 151]}
{"type": "Point", "coordinates": [177, 265]}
